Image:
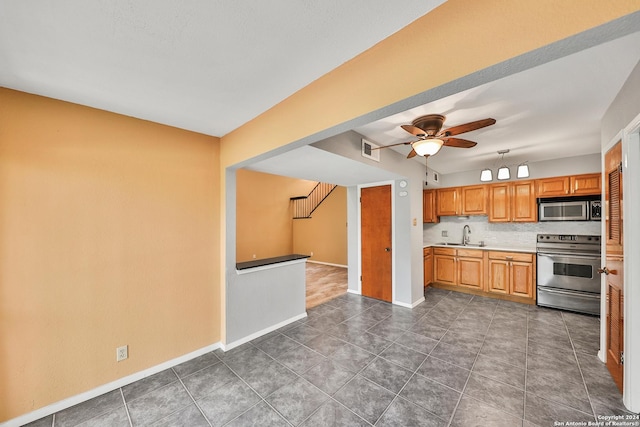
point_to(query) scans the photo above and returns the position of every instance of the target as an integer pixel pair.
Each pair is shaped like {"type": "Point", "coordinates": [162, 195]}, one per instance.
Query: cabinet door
{"type": "Point", "coordinates": [470, 273]}
{"type": "Point", "coordinates": [586, 184]}
{"type": "Point", "coordinates": [429, 206]}
{"type": "Point", "coordinates": [498, 280]}
{"type": "Point", "coordinates": [523, 202]}
{"type": "Point", "coordinates": [444, 270]}
{"type": "Point", "coordinates": [474, 200]}
{"type": "Point", "coordinates": [499, 203]}
{"type": "Point", "coordinates": [551, 187]}
{"type": "Point", "coordinates": [521, 283]}
{"type": "Point", "coordinates": [448, 201]}
{"type": "Point", "coordinates": [428, 269]}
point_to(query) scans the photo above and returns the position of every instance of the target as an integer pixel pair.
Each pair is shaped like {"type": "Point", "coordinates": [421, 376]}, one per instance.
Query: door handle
{"type": "Point", "coordinates": [604, 270]}
{"type": "Point", "coordinates": [387, 249]}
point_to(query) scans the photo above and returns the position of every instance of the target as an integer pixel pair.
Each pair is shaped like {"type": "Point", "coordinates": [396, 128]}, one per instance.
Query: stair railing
{"type": "Point", "coordinates": [303, 206]}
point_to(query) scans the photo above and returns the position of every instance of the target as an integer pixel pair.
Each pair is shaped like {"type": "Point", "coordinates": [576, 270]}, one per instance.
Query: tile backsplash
{"type": "Point", "coordinates": [520, 235]}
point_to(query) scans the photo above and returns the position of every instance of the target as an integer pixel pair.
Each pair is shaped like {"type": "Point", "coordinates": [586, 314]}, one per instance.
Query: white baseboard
{"type": "Point", "coordinates": [404, 304]}
{"type": "Point", "coordinates": [82, 397]}
{"type": "Point", "coordinates": [327, 263]}
{"type": "Point", "coordinates": [227, 347]}
{"type": "Point", "coordinates": [351, 291]}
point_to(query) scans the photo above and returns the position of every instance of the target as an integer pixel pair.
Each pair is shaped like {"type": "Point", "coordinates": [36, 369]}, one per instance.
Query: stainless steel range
{"type": "Point", "coordinates": [567, 272]}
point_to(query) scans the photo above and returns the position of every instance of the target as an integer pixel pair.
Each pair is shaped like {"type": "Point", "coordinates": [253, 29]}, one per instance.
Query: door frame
{"type": "Point", "coordinates": [630, 138]}
{"type": "Point", "coordinates": [393, 235]}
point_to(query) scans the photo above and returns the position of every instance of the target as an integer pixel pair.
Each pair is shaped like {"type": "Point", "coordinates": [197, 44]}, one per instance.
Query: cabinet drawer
{"type": "Point", "coordinates": [511, 256]}
{"type": "Point", "coordinates": [427, 251]}
{"type": "Point", "coordinates": [470, 253]}
{"type": "Point", "coordinates": [444, 251]}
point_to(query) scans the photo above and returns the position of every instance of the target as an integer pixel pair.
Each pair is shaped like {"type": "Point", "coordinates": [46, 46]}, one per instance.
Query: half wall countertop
{"type": "Point", "coordinates": [269, 261]}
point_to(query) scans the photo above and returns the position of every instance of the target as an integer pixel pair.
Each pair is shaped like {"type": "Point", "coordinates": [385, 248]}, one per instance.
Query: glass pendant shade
{"type": "Point", "coordinates": [523, 171]}
{"type": "Point", "coordinates": [504, 173]}
{"type": "Point", "coordinates": [486, 175]}
{"type": "Point", "coordinates": [427, 146]}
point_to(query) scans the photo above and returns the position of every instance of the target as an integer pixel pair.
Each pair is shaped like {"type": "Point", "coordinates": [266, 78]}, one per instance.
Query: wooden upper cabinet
{"type": "Point", "coordinates": [523, 202]}
{"type": "Point", "coordinates": [587, 184]}
{"type": "Point", "coordinates": [429, 206]}
{"type": "Point", "coordinates": [500, 202]}
{"type": "Point", "coordinates": [553, 187]}
{"type": "Point", "coordinates": [513, 202]}
{"type": "Point", "coordinates": [448, 201]}
{"type": "Point", "coordinates": [574, 185]}
{"type": "Point", "coordinates": [474, 199]}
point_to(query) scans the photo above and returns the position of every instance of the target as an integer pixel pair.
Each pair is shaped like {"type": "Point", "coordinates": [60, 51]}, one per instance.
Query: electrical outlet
{"type": "Point", "coordinates": [122, 353]}
{"type": "Point", "coordinates": [311, 253]}
{"type": "Point", "coordinates": [415, 221]}
{"type": "Point", "coordinates": [445, 233]}
{"type": "Point", "coordinates": [254, 256]}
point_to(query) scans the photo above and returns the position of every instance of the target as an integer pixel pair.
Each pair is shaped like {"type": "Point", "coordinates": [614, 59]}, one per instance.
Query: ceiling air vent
{"type": "Point", "coordinates": [368, 150]}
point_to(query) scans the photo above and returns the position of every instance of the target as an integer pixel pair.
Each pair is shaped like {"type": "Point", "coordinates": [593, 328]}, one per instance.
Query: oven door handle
{"type": "Point", "coordinates": [570, 254]}
{"type": "Point", "coordinates": [569, 293]}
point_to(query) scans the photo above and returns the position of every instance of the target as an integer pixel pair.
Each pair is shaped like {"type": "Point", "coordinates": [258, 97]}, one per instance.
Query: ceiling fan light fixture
{"type": "Point", "coordinates": [486, 175]}
{"type": "Point", "coordinates": [427, 147]}
{"type": "Point", "coordinates": [523, 171]}
{"type": "Point", "coordinates": [504, 173]}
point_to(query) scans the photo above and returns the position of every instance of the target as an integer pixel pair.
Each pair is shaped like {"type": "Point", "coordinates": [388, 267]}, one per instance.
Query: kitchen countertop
{"type": "Point", "coordinates": [526, 249]}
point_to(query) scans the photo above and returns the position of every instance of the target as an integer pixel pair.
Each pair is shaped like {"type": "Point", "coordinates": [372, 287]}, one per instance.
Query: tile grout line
{"type": "Point", "coordinates": [453, 413]}
{"type": "Point", "coordinates": [126, 408]}
{"type": "Point", "coordinates": [191, 396]}
{"type": "Point", "coordinates": [575, 355]}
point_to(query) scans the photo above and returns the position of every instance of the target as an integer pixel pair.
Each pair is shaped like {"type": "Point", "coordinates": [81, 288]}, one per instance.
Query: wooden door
{"type": "Point", "coordinates": [448, 201]}
{"type": "Point", "coordinates": [499, 203]}
{"type": "Point", "coordinates": [375, 209]}
{"type": "Point", "coordinates": [523, 202]}
{"type": "Point", "coordinates": [474, 200]}
{"type": "Point", "coordinates": [614, 265]}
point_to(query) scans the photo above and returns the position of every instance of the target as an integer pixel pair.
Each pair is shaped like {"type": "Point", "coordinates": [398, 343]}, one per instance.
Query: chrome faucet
{"type": "Point", "coordinates": [466, 230]}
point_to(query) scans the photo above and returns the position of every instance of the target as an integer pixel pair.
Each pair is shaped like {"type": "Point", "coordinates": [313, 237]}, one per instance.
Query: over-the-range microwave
{"type": "Point", "coordinates": [570, 209]}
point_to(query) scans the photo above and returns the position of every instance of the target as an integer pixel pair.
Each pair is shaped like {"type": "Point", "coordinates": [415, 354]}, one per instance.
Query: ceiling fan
{"type": "Point", "coordinates": [432, 137]}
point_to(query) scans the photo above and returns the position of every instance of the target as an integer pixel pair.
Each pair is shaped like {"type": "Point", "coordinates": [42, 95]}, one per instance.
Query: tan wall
{"type": "Point", "coordinates": [264, 220]}
{"type": "Point", "coordinates": [325, 233]}
{"type": "Point", "coordinates": [108, 236]}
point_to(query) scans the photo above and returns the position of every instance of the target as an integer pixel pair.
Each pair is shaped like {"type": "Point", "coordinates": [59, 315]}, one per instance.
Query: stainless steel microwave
{"type": "Point", "coordinates": [569, 210]}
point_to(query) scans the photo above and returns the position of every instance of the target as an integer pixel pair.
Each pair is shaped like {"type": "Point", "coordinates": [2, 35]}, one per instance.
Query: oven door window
{"type": "Point", "coordinates": [573, 270]}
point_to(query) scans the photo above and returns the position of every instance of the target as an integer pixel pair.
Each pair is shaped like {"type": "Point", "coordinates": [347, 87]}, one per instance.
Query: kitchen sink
{"type": "Point", "coordinates": [474, 245]}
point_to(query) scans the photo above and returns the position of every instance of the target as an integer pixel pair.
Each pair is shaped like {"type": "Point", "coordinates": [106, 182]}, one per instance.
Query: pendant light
{"type": "Point", "coordinates": [523, 170]}
{"type": "Point", "coordinates": [503, 171]}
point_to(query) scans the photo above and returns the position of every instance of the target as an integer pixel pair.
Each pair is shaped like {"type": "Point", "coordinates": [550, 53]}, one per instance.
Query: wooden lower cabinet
{"type": "Point", "coordinates": [511, 273]}
{"type": "Point", "coordinates": [444, 266]}
{"type": "Point", "coordinates": [470, 269]}
{"type": "Point", "coordinates": [428, 266]}
{"type": "Point", "coordinates": [491, 273]}
{"type": "Point", "coordinates": [459, 267]}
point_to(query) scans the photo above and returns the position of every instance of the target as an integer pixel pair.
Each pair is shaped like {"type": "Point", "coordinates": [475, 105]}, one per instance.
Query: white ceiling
{"type": "Point", "coordinates": [206, 66]}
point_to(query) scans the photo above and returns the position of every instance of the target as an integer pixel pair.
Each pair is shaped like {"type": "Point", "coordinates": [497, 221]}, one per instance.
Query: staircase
{"type": "Point", "coordinates": [303, 206]}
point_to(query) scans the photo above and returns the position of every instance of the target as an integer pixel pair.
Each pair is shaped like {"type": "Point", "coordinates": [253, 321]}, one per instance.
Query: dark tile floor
{"type": "Point", "coordinates": [455, 360]}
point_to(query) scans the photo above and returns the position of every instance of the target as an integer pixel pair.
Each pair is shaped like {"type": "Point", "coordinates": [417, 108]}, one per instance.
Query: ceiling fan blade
{"type": "Point", "coordinates": [413, 130]}
{"type": "Point", "coordinates": [392, 145]}
{"type": "Point", "coordinates": [459, 143]}
{"type": "Point", "coordinates": [467, 127]}
{"type": "Point", "coordinates": [412, 154]}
